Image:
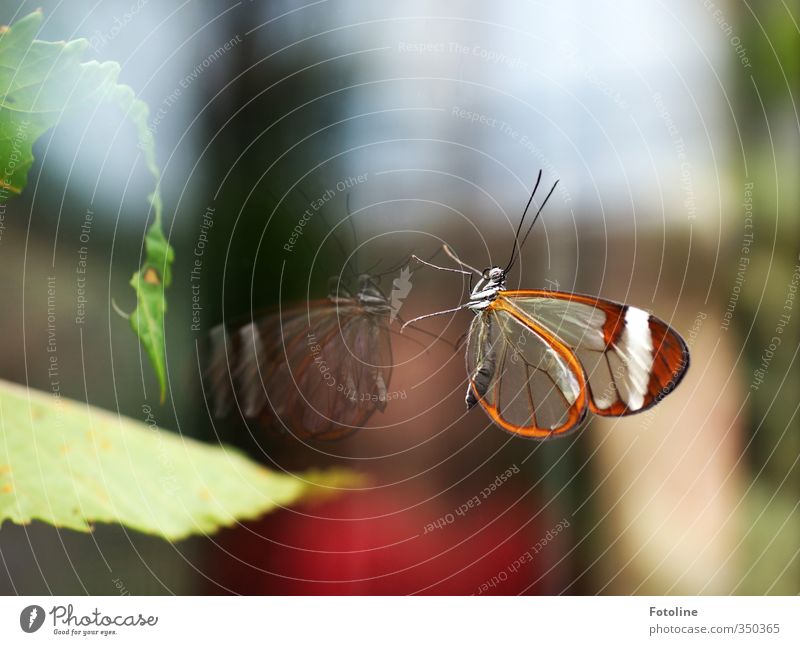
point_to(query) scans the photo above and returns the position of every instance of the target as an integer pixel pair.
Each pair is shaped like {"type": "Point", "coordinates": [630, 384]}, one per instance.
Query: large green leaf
{"type": "Point", "coordinates": [43, 83]}
{"type": "Point", "coordinates": [70, 464]}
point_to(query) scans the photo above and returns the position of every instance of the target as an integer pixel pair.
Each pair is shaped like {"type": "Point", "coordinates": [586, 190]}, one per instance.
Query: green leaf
{"type": "Point", "coordinates": [42, 83]}
{"type": "Point", "coordinates": [155, 274]}
{"type": "Point", "coordinates": [147, 319]}
{"type": "Point", "coordinates": [70, 464]}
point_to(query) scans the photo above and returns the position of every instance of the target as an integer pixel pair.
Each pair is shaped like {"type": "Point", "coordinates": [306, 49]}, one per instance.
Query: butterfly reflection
{"type": "Point", "coordinates": [317, 371]}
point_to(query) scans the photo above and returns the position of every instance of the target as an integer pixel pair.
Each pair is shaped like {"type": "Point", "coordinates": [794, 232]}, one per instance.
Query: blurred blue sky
{"type": "Point", "coordinates": [625, 102]}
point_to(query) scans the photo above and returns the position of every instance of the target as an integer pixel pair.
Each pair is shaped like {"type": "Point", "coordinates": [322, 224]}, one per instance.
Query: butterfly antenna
{"type": "Point", "coordinates": [371, 268]}
{"type": "Point", "coordinates": [352, 229]}
{"type": "Point", "coordinates": [538, 212]}
{"type": "Point", "coordinates": [516, 247]}
{"type": "Point", "coordinates": [278, 202]}
{"type": "Point", "coordinates": [354, 272]}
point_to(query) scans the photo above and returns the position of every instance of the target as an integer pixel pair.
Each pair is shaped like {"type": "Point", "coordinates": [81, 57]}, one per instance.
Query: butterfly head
{"type": "Point", "coordinates": [495, 276]}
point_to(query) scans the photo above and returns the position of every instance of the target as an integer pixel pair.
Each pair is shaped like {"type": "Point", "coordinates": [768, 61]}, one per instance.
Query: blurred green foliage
{"type": "Point", "coordinates": [767, 109]}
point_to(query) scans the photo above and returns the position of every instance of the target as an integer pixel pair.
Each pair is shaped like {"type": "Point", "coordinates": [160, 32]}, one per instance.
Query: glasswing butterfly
{"type": "Point", "coordinates": [539, 360]}
{"type": "Point", "coordinates": [319, 370]}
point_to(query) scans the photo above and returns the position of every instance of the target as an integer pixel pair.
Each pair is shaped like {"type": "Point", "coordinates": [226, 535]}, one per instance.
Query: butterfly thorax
{"type": "Point", "coordinates": [371, 298]}
{"type": "Point", "coordinates": [368, 296]}
{"type": "Point", "coordinates": [374, 302]}
{"type": "Point", "coordinates": [491, 283]}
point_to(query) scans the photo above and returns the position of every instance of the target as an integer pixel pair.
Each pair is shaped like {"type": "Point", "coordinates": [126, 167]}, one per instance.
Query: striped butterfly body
{"type": "Point", "coordinates": [318, 371]}
{"type": "Point", "coordinates": [539, 360]}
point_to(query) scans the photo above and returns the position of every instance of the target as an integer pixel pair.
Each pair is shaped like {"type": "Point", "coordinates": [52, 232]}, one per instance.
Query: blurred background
{"type": "Point", "coordinates": [673, 129]}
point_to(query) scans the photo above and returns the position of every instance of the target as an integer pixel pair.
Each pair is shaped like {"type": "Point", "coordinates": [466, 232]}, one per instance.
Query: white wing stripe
{"type": "Point", "coordinates": [636, 350]}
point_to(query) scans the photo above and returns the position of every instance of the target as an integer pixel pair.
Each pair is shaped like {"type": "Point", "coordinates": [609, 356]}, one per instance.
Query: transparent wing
{"type": "Point", "coordinates": [526, 383]}
{"type": "Point", "coordinates": [631, 359]}
{"type": "Point", "coordinates": [320, 371]}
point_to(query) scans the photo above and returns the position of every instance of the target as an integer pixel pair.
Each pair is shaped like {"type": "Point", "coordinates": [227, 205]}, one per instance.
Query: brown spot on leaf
{"type": "Point", "coordinates": [4, 468]}
{"type": "Point", "coordinates": [204, 494]}
{"type": "Point", "coordinates": [151, 276]}
{"type": "Point", "coordinates": [11, 187]}
{"type": "Point", "coordinates": [7, 488]}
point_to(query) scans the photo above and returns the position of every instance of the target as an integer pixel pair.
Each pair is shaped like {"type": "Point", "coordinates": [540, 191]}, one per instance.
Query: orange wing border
{"type": "Point", "coordinates": [577, 411]}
